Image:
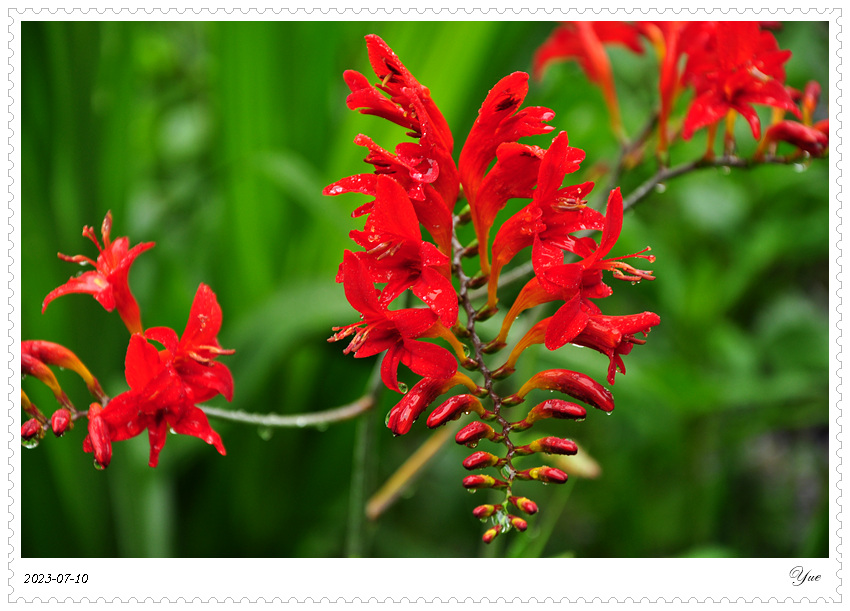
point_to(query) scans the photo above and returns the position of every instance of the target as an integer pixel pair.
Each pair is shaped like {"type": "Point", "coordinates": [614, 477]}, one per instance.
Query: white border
{"type": "Point", "coordinates": [694, 580]}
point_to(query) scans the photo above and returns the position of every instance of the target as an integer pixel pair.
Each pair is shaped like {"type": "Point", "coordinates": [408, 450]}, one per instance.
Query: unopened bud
{"type": "Point", "coordinates": [556, 408]}
{"type": "Point", "coordinates": [553, 445]}
{"type": "Point", "coordinates": [32, 430]}
{"type": "Point", "coordinates": [98, 441]}
{"type": "Point", "coordinates": [491, 534]}
{"type": "Point", "coordinates": [61, 421]}
{"type": "Point", "coordinates": [480, 460]}
{"type": "Point", "coordinates": [453, 408]}
{"type": "Point", "coordinates": [811, 95]}
{"type": "Point", "coordinates": [482, 512]}
{"type": "Point", "coordinates": [476, 482]}
{"type": "Point", "coordinates": [474, 432]}
{"type": "Point", "coordinates": [524, 504]}
{"type": "Point", "coordinates": [546, 475]}
{"type": "Point", "coordinates": [572, 383]}
{"type": "Point", "coordinates": [518, 523]}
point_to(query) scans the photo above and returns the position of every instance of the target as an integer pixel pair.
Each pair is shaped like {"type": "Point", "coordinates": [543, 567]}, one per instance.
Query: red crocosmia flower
{"type": "Point", "coordinates": [552, 217]}
{"type": "Point", "coordinates": [393, 331]}
{"type": "Point", "coordinates": [397, 255]}
{"type": "Point", "coordinates": [572, 383]}
{"type": "Point", "coordinates": [499, 121]}
{"type": "Point", "coordinates": [739, 66]}
{"type": "Point", "coordinates": [193, 355]}
{"type": "Point", "coordinates": [108, 282]}
{"type": "Point", "coordinates": [584, 41]}
{"type": "Point", "coordinates": [614, 336]}
{"type": "Point", "coordinates": [431, 209]}
{"type": "Point", "coordinates": [158, 400]}
{"type": "Point", "coordinates": [409, 105]}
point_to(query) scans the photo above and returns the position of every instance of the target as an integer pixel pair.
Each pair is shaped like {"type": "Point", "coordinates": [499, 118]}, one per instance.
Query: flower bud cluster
{"type": "Point", "coordinates": [420, 185]}
{"type": "Point", "coordinates": [165, 384]}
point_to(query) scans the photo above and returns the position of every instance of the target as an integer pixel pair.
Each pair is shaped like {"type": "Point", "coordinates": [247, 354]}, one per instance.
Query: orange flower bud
{"type": "Point", "coordinates": [518, 523]}
{"type": "Point", "coordinates": [553, 445]}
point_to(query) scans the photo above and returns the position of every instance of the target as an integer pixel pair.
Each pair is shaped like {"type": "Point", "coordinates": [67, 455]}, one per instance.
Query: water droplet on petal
{"type": "Point", "coordinates": [98, 466]}
{"type": "Point", "coordinates": [30, 443]}
{"type": "Point", "coordinates": [471, 490]}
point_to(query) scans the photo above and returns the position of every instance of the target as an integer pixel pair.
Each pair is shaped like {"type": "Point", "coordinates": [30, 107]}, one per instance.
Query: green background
{"type": "Point", "coordinates": [215, 140]}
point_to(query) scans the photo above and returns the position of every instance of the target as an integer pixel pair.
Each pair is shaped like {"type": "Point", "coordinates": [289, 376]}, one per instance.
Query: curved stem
{"type": "Point", "coordinates": [312, 419]}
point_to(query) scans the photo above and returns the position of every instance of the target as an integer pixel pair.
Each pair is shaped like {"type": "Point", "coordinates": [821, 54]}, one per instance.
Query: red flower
{"type": "Point", "coordinates": [739, 66]}
{"type": "Point", "coordinates": [584, 41]}
{"type": "Point", "coordinates": [500, 121]}
{"type": "Point", "coordinates": [409, 105]}
{"type": "Point", "coordinates": [108, 283]}
{"type": "Point", "coordinates": [431, 209]}
{"type": "Point", "coordinates": [809, 139]}
{"type": "Point", "coordinates": [193, 355]}
{"type": "Point", "coordinates": [158, 400]}
{"type": "Point", "coordinates": [393, 331]}
{"type": "Point", "coordinates": [397, 255]}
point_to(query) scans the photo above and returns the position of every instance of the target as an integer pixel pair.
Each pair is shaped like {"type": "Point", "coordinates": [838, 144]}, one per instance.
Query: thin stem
{"type": "Point", "coordinates": [478, 349]}
{"type": "Point", "coordinates": [312, 419]}
{"type": "Point", "coordinates": [727, 161]}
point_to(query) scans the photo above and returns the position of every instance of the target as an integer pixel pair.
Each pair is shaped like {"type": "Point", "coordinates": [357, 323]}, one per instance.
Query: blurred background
{"type": "Point", "coordinates": [214, 140]}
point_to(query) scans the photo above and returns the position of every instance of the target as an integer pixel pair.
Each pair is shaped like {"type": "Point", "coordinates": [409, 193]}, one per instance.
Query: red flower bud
{"type": "Point", "coordinates": [553, 445]}
{"type": "Point", "coordinates": [453, 408]}
{"type": "Point", "coordinates": [518, 523]}
{"type": "Point", "coordinates": [811, 95]}
{"type": "Point", "coordinates": [98, 440]}
{"type": "Point", "coordinates": [572, 383]}
{"type": "Point", "coordinates": [547, 475]}
{"type": "Point", "coordinates": [55, 354]}
{"type": "Point", "coordinates": [474, 432]}
{"type": "Point", "coordinates": [523, 504]}
{"type": "Point", "coordinates": [482, 512]}
{"type": "Point", "coordinates": [32, 432]}
{"type": "Point", "coordinates": [475, 482]}
{"type": "Point", "coordinates": [806, 138]}
{"type": "Point", "coordinates": [480, 460]}
{"type": "Point", "coordinates": [556, 408]}
{"type": "Point", "coordinates": [491, 534]}
{"type": "Point", "coordinates": [61, 422]}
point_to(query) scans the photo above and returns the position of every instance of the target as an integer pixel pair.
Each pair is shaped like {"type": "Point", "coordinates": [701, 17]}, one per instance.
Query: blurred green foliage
{"type": "Point", "coordinates": [215, 140]}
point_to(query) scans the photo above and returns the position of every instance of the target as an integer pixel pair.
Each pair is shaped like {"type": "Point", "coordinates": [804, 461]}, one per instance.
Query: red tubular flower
{"type": "Point", "coordinates": [572, 383]}
{"type": "Point", "coordinates": [410, 105]}
{"type": "Point", "coordinates": [393, 331]}
{"type": "Point", "coordinates": [552, 217]}
{"type": "Point", "coordinates": [553, 445]}
{"type": "Point", "coordinates": [431, 210]}
{"type": "Point", "coordinates": [477, 482]}
{"type": "Point", "coordinates": [474, 432]}
{"type": "Point", "coordinates": [158, 400]}
{"type": "Point", "coordinates": [499, 121]}
{"type": "Point", "coordinates": [397, 256]}
{"type": "Point", "coordinates": [49, 353]}
{"type": "Point", "coordinates": [193, 355]}
{"type": "Point", "coordinates": [739, 66]}
{"type": "Point", "coordinates": [32, 366]}
{"type": "Point", "coordinates": [584, 41]}
{"type": "Point", "coordinates": [547, 475]}
{"type": "Point", "coordinates": [108, 283]}
{"type": "Point", "coordinates": [614, 336]}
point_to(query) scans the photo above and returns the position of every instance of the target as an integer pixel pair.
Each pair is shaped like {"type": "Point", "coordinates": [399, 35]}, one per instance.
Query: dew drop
{"type": "Point", "coordinates": [800, 168]}
{"type": "Point", "coordinates": [660, 187]}
{"type": "Point", "coordinates": [300, 422]}
{"type": "Point", "coordinates": [402, 387]}
{"type": "Point", "coordinates": [472, 445]}
{"type": "Point", "coordinates": [471, 490]}
{"type": "Point", "coordinates": [30, 443]}
{"type": "Point", "coordinates": [725, 170]}
{"type": "Point", "coordinates": [98, 466]}
{"type": "Point", "coordinates": [265, 432]}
